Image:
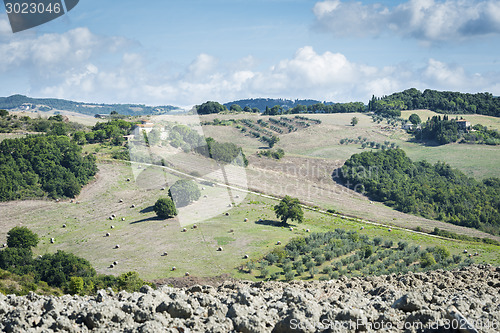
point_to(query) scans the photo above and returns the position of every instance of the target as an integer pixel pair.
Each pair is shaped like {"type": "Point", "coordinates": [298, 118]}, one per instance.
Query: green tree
{"type": "Point", "coordinates": [75, 285]}
{"type": "Point", "coordinates": [165, 208]}
{"type": "Point", "coordinates": [273, 140]}
{"type": "Point", "coordinates": [183, 192]}
{"type": "Point", "coordinates": [21, 237]}
{"type": "Point", "coordinates": [289, 208]}
{"type": "Point", "coordinates": [4, 113]}
{"type": "Point", "coordinates": [415, 119]}
{"type": "Point", "coordinates": [354, 121]}
{"type": "Point", "coordinates": [235, 108]}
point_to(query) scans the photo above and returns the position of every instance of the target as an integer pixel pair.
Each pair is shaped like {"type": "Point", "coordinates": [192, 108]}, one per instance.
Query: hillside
{"type": "Point", "coordinates": [48, 104]}
{"type": "Point", "coordinates": [262, 103]}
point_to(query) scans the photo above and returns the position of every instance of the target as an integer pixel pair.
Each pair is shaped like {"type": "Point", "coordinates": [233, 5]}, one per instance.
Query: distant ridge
{"type": "Point", "coordinates": [261, 103]}
{"type": "Point", "coordinates": [48, 104]}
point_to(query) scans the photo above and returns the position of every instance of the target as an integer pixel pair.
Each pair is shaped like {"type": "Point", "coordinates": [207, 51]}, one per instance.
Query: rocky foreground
{"type": "Point", "coordinates": [440, 301]}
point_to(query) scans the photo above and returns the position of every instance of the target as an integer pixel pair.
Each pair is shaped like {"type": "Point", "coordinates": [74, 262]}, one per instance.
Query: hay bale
{"type": "Point", "coordinates": [308, 230]}
{"type": "Point", "coordinates": [278, 243]}
{"type": "Point", "coordinates": [57, 200]}
{"type": "Point", "coordinates": [291, 228]}
{"type": "Point", "coordinates": [52, 240]}
{"type": "Point", "coordinates": [128, 179]}
{"type": "Point", "coordinates": [111, 266]}
{"type": "Point", "coordinates": [115, 263]}
{"type": "Point", "coordinates": [64, 225]}
{"type": "Point", "coordinates": [113, 215]}
{"type": "Point", "coordinates": [108, 234]}
{"type": "Point", "coordinates": [205, 196]}
{"type": "Point", "coordinates": [4, 245]}
{"type": "Point", "coordinates": [111, 218]}
{"type": "Point", "coordinates": [195, 226]}
{"type": "Point", "coordinates": [261, 220]}
{"type": "Point", "coordinates": [220, 248]}
{"type": "Point", "coordinates": [165, 254]}
{"type": "Point", "coordinates": [230, 205]}
{"type": "Point", "coordinates": [123, 219]}
{"type": "Point", "coordinates": [389, 230]}
{"type": "Point", "coordinates": [174, 268]}
{"type": "Point", "coordinates": [227, 214]}
{"type": "Point", "coordinates": [121, 200]}
{"type": "Point", "coordinates": [362, 228]}
{"type": "Point", "coordinates": [203, 189]}
{"type": "Point", "coordinates": [184, 230]}
{"type": "Point", "coordinates": [133, 206]}
{"type": "Point", "coordinates": [112, 227]}
{"type": "Point", "coordinates": [245, 256]}
{"type": "Point", "coordinates": [465, 251]}
{"type": "Point", "coordinates": [187, 274]}
{"type": "Point", "coordinates": [246, 220]}
{"type": "Point", "coordinates": [231, 230]}
{"type": "Point", "coordinates": [117, 246]}
{"type": "Point", "coordinates": [237, 197]}
{"type": "Point", "coordinates": [162, 189]}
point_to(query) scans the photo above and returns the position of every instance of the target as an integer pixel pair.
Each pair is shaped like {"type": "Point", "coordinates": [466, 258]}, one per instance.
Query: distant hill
{"type": "Point", "coordinates": [261, 103]}
{"type": "Point", "coordinates": [447, 102]}
{"type": "Point", "coordinates": [48, 104]}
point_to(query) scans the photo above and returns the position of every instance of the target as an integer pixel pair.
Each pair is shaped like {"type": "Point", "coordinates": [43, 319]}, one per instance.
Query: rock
{"type": "Point", "coordinates": [180, 309]}
{"type": "Point", "coordinates": [409, 303]}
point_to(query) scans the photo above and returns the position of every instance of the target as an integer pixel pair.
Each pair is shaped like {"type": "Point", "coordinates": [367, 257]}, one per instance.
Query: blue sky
{"type": "Point", "coordinates": [187, 52]}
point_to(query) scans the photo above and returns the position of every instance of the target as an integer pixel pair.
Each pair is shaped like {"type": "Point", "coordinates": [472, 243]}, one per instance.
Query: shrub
{"type": "Point", "coordinates": [183, 192]}
{"type": "Point", "coordinates": [165, 208]}
{"type": "Point", "coordinates": [21, 237]}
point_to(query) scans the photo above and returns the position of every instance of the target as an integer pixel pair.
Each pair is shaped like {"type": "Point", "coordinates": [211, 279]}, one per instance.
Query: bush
{"type": "Point", "coordinates": [165, 208]}
{"type": "Point", "coordinates": [21, 237]}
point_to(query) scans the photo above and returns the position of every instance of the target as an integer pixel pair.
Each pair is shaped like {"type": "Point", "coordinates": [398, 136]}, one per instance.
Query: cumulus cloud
{"type": "Point", "coordinates": [426, 20]}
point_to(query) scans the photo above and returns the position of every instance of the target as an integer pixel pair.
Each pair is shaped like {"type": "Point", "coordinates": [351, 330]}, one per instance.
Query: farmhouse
{"type": "Point", "coordinates": [463, 124]}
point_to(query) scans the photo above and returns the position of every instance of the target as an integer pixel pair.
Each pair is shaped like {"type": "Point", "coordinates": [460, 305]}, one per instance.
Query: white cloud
{"type": "Point", "coordinates": [427, 20]}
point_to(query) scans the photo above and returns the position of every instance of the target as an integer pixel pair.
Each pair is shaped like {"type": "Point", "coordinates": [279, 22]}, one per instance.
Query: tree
{"type": "Point", "coordinates": [4, 113]}
{"type": "Point", "coordinates": [273, 140]}
{"type": "Point", "coordinates": [235, 108]}
{"type": "Point", "coordinates": [21, 237]}
{"type": "Point", "coordinates": [354, 121]}
{"type": "Point", "coordinates": [289, 208]}
{"type": "Point", "coordinates": [183, 192]}
{"type": "Point", "coordinates": [165, 208]}
{"type": "Point", "coordinates": [415, 119]}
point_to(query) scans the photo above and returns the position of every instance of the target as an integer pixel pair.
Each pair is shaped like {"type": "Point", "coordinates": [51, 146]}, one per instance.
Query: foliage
{"type": "Point", "coordinates": [439, 101]}
{"type": "Point", "coordinates": [433, 191]}
{"type": "Point", "coordinates": [183, 192]}
{"type": "Point", "coordinates": [210, 107]}
{"type": "Point", "coordinates": [415, 119]}
{"type": "Point", "coordinates": [273, 140]}
{"type": "Point", "coordinates": [43, 165]}
{"type": "Point", "coordinates": [21, 237]}
{"type": "Point", "coordinates": [165, 208]}
{"type": "Point", "coordinates": [337, 253]}
{"type": "Point", "coordinates": [289, 208]}
{"type": "Point", "coordinates": [354, 121]}
{"type": "Point", "coordinates": [449, 234]}
{"type": "Point", "coordinates": [278, 154]}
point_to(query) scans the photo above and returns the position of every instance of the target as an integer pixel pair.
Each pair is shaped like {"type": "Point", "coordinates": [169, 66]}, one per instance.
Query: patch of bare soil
{"type": "Point", "coordinates": [189, 281]}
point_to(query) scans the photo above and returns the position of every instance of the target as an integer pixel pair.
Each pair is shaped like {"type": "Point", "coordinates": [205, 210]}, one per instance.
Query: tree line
{"type": "Point", "coordinates": [38, 166]}
{"type": "Point", "coordinates": [439, 101]}
{"type": "Point", "coordinates": [433, 191]}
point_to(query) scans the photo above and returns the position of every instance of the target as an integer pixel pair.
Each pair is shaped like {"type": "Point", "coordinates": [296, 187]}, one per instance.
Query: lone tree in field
{"type": "Point", "coordinates": [415, 119]}
{"type": "Point", "coordinates": [289, 208]}
{"type": "Point", "coordinates": [21, 237]}
{"type": "Point", "coordinates": [354, 121]}
{"type": "Point", "coordinates": [165, 208]}
{"type": "Point", "coordinates": [183, 192]}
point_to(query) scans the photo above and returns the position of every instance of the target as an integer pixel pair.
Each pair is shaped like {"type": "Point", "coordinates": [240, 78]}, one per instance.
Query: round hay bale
{"type": "Point", "coordinates": [389, 230]}
{"type": "Point", "coordinates": [220, 248]}
{"type": "Point", "coordinates": [57, 200]}
{"type": "Point", "coordinates": [362, 228]}
{"type": "Point", "coordinates": [4, 245]}
{"type": "Point", "coordinates": [111, 218]}
{"type": "Point", "coordinates": [291, 228]}
{"type": "Point", "coordinates": [261, 220]}
{"type": "Point", "coordinates": [165, 254]}
{"type": "Point", "coordinates": [123, 219]}
{"type": "Point", "coordinates": [308, 230]}
{"type": "Point", "coordinates": [465, 251]}
{"type": "Point", "coordinates": [278, 243]}
{"type": "Point", "coordinates": [117, 246]}
{"type": "Point", "coordinates": [227, 214]}
{"type": "Point", "coordinates": [476, 254]}
{"type": "Point", "coordinates": [52, 240]}
{"type": "Point", "coordinates": [64, 225]}
{"type": "Point", "coordinates": [195, 226]}
{"type": "Point", "coordinates": [246, 220]}
{"type": "Point", "coordinates": [121, 200]}
{"type": "Point", "coordinates": [133, 206]}
{"type": "Point", "coordinates": [203, 189]}
{"type": "Point", "coordinates": [184, 230]}
{"type": "Point", "coordinates": [113, 215]}
{"type": "Point", "coordinates": [162, 189]}
{"type": "Point", "coordinates": [115, 263]}
{"type": "Point", "coordinates": [128, 179]}
{"type": "Point", "coordinates": [187, 274]}
{"type": "Point", "coordinates": [174, 268]}
{"type": "Point", "coordinates": [111, 266]}
{"type": "Point", "coordinates": [108, 234]}
{"type": "Point", "coordinates": [237, 197]}
{"type": "Point", "coordinates": [245, 256]}
{"type": "Point", "coordinates": [112, 227]}
{"type": "Point", "coordinates": [230, 205]}
{"type": "Point", "coordinates": [205, 196]}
